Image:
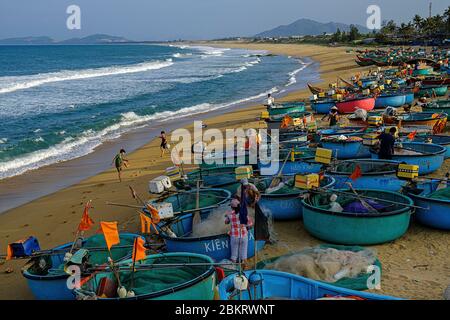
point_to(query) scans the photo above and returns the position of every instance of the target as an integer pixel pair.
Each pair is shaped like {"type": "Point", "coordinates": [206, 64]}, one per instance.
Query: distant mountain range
{"type": "Point", "coordinates": [303, 27]}
{"type": "Point", "coordinates": [93, 39]}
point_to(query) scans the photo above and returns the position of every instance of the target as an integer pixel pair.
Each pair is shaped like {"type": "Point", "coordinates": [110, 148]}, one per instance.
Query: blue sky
{"type": "Point", "coordinates": [190, 19]}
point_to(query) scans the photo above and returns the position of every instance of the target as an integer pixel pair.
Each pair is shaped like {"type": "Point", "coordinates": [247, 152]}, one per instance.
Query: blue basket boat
{"type": "Point", "coordinates": [376, 174]}
{"type": "Point", "coordinates": [278, 285]}
{"type": "Point", "coordinates": [302, 163]}
{"type": "Point", "coordinates": [346, 149]}
{"type": "Point", "coordinates": [390, 99]}
{"type": "Point", "coordinates": [442, 140]}
{"type": "Point", "coordinates": [322, 106]}
{"type": "Point", "coordinates": [438, 215]}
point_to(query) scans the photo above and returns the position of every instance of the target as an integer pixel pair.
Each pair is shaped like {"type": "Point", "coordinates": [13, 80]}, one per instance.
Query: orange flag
{"type": "Point", "coordinates": [286, 121]}
{"type": "Point", "coordinates": [356, 173]}
{"type": "Point", "coordinates": [138, 249]}
{"type": "Point", "coordinates": [412, 135]}
{"type": "Point", "coordinates": [110, 232]}
{"type": "Point", "coordinates": [146, 224]}
{"type": "Point", "coordinates": [154, 213]}
{"type": "Point", "coordinates": [86, 221]}
{"type": "Point", "coordinates": [9, 253]}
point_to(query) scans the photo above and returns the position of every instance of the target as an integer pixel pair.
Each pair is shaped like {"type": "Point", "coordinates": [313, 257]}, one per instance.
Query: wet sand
{"type": "Point", "coordinates": [414, 266]}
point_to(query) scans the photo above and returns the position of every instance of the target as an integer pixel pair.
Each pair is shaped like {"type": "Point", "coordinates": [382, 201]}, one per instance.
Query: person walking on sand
{"type": "Point", "coordinates": [119, 161]}
{"type": "Point", "coordinates": [270, 100]}
{"type": "Point", "coordinates": [238, 233]}
{"type": "Point", "coordinates": [163, 146]}
{"type": "Point", "coordinates": [333, 116]}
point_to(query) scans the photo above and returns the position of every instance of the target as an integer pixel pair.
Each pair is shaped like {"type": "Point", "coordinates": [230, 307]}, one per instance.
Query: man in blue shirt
{"type": "Point", "coordinates": [387, 142]}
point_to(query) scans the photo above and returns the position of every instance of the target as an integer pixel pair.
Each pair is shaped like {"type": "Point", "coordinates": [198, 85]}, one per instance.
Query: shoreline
{"type": "Point", "coordinates": [54, 217]}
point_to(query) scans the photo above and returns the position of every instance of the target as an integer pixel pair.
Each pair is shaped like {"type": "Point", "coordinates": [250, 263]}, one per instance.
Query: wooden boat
{"type": "Point", "coordinates": [315, 90]}
{"type": "Point", "coordinates": [431, 81]}
{"type": "Point", "coordinates": [431, 91]}
{"type": "Point", "coordinates": [216, 246]}
{"type": "Point", "coordinates": [181, 276]}
{"type": "Point", "coordinates": [360, 228]}
{"type": "Point", "coordinates": [219, 177]}
{"type": "Point", "coordinates": [351, 104]}
{"type": "Point", "coordinates": [322, 106]}
{"type": "Point", "coordinates": [437, 121]}
{"type": "Point", "coordinates": [438, 215]}
{"type": "Point", "coordinates": [376, 174]}
{"type": "Point", "coordinates": [45, 274]}
{"type": "Point", "coordinates": [286, 108]}
{"type": "Point", "coordinates": [277, 285]}
{"type": "Point", "coordinates": [442, 140]}
{"type": "Point", "coordinates": [362, 63]}
{"type": "Point", "coordinates": [275, 123]}
{"type": "Point", "coordinates": [350, 148]}
{"type": "Point", "coordinates": [390, 100]}
{"type": "Point", "coordinates": [286, 203]}
{"type": "Point", "coordinates": [428, 156]}
{"type": "Point", "coordinates": [438, 106]}
{"type": "Point", "coordinates": [346, 131]}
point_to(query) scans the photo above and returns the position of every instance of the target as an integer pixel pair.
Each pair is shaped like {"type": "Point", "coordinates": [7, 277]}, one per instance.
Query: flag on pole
{"type": "Point", "coordinates": [146, 224]}
{"type": "Point", "coordinates": [356, 173]}
{"type": "Point", "coordinates": [110, 232]}
{"type": "Point", "coordinates": [86, 221]}
{"type": "Point", "coordinates": [286, 121]}
{"type": "Point", "coordinates": [154, 213]}
{"type": "Point", "coordinates": [9, 252]}
{"type": "Point", "coordinates": [138, 249]}
{"type": "Point", "coordinates": [412, 135]}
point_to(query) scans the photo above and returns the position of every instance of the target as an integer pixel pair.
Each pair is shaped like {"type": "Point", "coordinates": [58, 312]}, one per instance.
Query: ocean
{"type": "Point", "coordinates": [62, 102]}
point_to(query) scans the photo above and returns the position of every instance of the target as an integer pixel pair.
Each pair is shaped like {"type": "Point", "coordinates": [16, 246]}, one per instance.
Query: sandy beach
{"type": "Point", "coordinates": [415, 266]}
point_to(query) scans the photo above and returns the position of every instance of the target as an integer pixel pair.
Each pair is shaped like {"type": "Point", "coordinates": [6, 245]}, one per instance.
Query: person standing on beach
{"type": "Point", "coordinates": [119, 161]}
{"type": "Point", "coordinates": [333, 116]}
{"type": "Point", "coordinates": [252, 193]}
{"type": "Point", "coordinates": [238, 233]}
{"type": "Point", "coordinates": [163, 146]}
{"type": "Point", "coordinates": [270, 100]}
{"type": "Point", "coordinates": [387, 143]}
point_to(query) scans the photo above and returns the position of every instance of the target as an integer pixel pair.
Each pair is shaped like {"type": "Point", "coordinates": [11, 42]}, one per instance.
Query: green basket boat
{"type": "Point", "coordinates": [439, 91]}
{"type": "Point", "coordinates": [357, 283]}
{"type": "Point", "coordinates": [168, 276]}
{"type": "Point", "coordinates": [357, 228]}
{"type": "Point", "coordinates": [438, 106]}
{"type": "Point", "coordinates": [286, 108]}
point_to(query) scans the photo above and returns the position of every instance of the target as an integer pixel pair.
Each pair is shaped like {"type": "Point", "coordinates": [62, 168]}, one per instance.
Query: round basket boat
{"type": "Point", "coordinates": [357, 228]}
{"type": "Point", "coordinates": [286, 203]}
{"type": "Point", "coordinates": [181, 276]}
{"type": "Point", "coordinates": [376, 174]}
{"type": "Point", "coordinates": [390, 99]}
{"type": "Point", "coordinates": [301, 162]}
{"type": "Point", "coordinates": [50, 282]}
{"type": "Point", "coordinates": [442, 140]}
{"type": "Point", "coordinates": [438, 215]}
{"type": "Point", "coordinates": [350, 148]}
{"type": "Point", "coordinates": [428, 156]}
{"type": "Point", "coordinates": [280, 110]}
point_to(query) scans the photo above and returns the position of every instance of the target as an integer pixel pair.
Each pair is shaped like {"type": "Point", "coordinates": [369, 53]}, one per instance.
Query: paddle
{"type": "Point", "coordinates": [196, 219]}
{"type": "Point", "coordinates": [276, 181]}
{"type": "Point", "coordinates": [363, 202]}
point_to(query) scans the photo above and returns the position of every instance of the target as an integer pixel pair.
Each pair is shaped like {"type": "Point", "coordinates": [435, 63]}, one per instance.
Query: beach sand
{"type": "Point", "coordinates": [414, 266]}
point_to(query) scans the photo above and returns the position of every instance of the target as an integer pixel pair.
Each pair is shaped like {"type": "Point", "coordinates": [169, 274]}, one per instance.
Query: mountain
{"type": "Point", "coordinates": [28, 40]}
{"type": "Point", "coordinates": [93, 39]}
{"type": "Point", "coordinates": [304, 27]}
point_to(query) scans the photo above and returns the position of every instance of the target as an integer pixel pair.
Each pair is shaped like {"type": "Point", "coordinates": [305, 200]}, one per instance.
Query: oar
{"type": "Point", "coordinates": [276, 180]}
{"type": "Point", "coordinates": [320, 190]}
{"type": "Point", "coordinates": [363, 202]}
{"type": "Point", "coordinates": [196, 219]}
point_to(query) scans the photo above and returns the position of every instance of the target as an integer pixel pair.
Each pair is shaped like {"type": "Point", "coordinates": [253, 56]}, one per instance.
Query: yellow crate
{"type": "Point", "coordinates": [321, 94]}
{"type": "Point", "coordinates": [375, 121]}
{"type": "Point", "coordinates": [333, 85]}
{"type": "Point", "coordinates": [366, 92]}
{"type": "Point", "coordinates": [265, 115]}
{"type": "Point", "coordinates": [297, 121]}
{"type": "Point", "coordinates": [173, 173]}
{"type": "Point", "coordinates": [370, 139]}
{"type": "Point", "coordinates": [408, 171]}
{"type": "Point", "coordinates": [337, 96]}
{"type": "Point", "coordinates": [243, 172]}
{"type": "Point", "coordinates": [381, 87]}
{"type": "Point", "coordinates": [307, 181]}
{"type": "Point", "coordinates": [388, 81]}
{"type": "Point", "coordinates": [323, 155]}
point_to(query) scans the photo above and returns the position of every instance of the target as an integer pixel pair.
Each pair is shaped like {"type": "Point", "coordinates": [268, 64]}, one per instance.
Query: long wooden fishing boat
{"type": "Point", "coordinates": [438, 202]}
{"type": "Point", "coordinates": [278, 285]}
{"type": "Point", "coordinates": [356, 225]}
{"type": "Point", "coordinates": [375, 174]}
{"type": "Point", "coordinates": [322, 106]}
{"type": "Point", "coordinates": [438, 106]}
{"type": "Point", "coordinates": [351, 104]}
{"type": "Point", "coordinates": [428, 156]}
{"type": "Point", "coordinates": [362, 63]}
{"type": "Point", "coordinates": [285, 203]}
{"type": "Point", "coordinates": [314, 90]}
{"type": "Point", "coordinates": [286, 108]}
{"type": "Point", "coordinates": [437, 121]}
{"type": "Point", "coordinates": [45, 274]}
{"type": "Point", "coordinates": [167, 276]}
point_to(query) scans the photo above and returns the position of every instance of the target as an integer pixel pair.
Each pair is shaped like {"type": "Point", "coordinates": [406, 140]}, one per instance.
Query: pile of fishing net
{"type": "Point", "coordinates": [441, 194]}
{"type": "Point", "coordinates": [325, 264]}
{"type": "Point", "coordinates": [284, 187]}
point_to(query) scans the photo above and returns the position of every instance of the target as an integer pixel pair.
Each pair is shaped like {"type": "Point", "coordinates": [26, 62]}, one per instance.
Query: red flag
{"type": "Point", "coordinates": [111, 233]}
{"type": "Point", "coordinates": [286, 121]}
{"type": "Point", "coordinates": [356, 173]}
{"type": "Point", "coordinates": [412, 135]}
{"type": "Point", "coordinates": [86, 221]}
{"type": "Point", "coordinates": [138, 249]}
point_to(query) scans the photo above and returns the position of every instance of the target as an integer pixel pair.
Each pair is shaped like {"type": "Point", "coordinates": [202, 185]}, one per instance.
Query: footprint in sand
{"type": "Point", "coordinates": [100, 185]}
{"type": "Point", "coordinates": [88, 191]}
{"type": "Point", "coordinates": [49, 215]}
{"type": "Point", "coordinates": [25, 225]}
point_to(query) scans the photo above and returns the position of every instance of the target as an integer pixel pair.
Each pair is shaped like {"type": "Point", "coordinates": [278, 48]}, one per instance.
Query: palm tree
{"type": "Point", "coordinates": [418, 23]}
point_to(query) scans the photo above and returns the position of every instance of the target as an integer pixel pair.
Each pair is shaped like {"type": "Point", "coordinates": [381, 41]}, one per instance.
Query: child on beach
{"type": "Point", "coordinates": [119, 161]}
{"type": "Point", "coordinates": [163, 146]}
{"type": "Point", "coordinates": [238, 233]}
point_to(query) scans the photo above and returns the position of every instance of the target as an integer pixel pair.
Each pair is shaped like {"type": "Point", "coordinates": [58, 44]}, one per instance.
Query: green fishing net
{"type": "Point", "coordinates": [442, 194]}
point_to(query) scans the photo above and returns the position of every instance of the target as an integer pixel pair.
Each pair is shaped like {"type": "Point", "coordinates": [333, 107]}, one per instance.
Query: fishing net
{"type": "Point", "coordinates": [184, 201]}
{"type": "Point", "coordinates": [214, 224]}
{"type": "Point", "coordinates": [117, 253]}
{"type": "Point", "coordinates": [326, 264]}
{"type": "Point", "coordinates": [442, 194]}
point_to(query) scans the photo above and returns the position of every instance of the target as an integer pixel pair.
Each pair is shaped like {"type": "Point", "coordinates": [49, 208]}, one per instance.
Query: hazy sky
{"type": "Point", "coordinates": [190, 19]}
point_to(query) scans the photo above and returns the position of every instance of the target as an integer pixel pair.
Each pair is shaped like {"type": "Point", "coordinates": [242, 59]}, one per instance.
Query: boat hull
{"type": "Point", "coordinates": [347, 150]}
{"type": "Point", "coordinates": [390, 100]}
{"type": "Point", "coordinates": [351, 105]}
{"type": "Point", "coordinates": [322, 107]}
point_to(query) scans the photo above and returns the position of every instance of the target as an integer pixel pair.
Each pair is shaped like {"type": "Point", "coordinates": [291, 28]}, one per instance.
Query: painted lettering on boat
{"type": "Point", "coordinates": [221, 243]}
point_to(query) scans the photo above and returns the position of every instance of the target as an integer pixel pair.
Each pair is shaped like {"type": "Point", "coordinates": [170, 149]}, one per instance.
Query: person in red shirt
{"type": "Point", "coordinates": [238, 233]}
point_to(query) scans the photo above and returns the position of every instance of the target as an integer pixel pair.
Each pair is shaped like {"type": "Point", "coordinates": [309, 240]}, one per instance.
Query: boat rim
{"type": "Point", "coordinates": [380, 161]}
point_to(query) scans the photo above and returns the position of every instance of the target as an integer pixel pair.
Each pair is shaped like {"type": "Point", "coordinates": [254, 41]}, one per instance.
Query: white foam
{"type": "Point", "coordinates": [181, 55]}
{"type": "Point", "coordinates": [292, 78]}
{"type": "Point", "coordinates": [3, 140]}
{"type": "Point", "coordinates": [26, 82]}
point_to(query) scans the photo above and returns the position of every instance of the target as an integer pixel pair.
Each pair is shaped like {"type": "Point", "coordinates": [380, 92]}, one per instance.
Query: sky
{"type": "Point", "coordinates": [191, 19]}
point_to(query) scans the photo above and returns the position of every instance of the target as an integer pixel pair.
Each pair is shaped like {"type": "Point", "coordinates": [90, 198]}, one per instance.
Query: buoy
{"type": "Point", "coordinates": [240, 282]}
{"type": "Point", "coordinates": [130, 294]}
{"type": "Point", "coordinates": [122, 292]}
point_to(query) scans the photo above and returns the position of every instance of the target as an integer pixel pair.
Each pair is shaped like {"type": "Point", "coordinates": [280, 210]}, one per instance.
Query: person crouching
{"type": "Point", "coordinates": [238, 233]}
